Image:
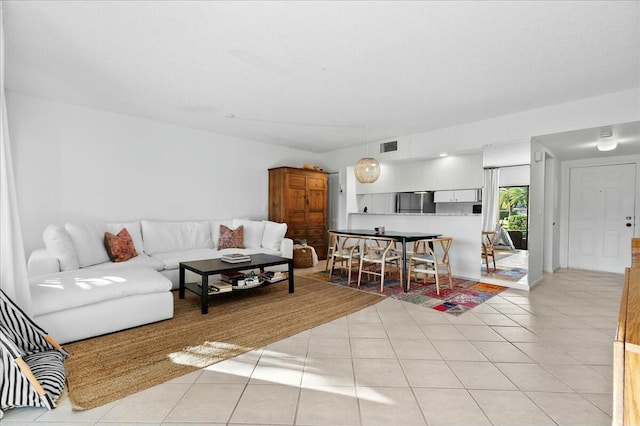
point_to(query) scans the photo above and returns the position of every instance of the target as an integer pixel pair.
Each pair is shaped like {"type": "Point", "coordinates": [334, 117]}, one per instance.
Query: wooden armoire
{"type": "Point", "coordinates": [298, 197]}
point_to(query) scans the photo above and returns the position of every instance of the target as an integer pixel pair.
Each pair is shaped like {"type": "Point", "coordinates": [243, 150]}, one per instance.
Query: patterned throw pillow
{"type": "Point", "coordinates": [231, 238]}
{"type": "Point", "coordinates": [119, 247]}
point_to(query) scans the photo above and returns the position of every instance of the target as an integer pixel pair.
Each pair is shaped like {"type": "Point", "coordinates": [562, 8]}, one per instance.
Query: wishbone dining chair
{"type": "Point", "coordinates": [488, 239]}
{"type": "Point", "coordinates": [345, 253]}
{"type": "Point", "coordinates": [379, 258]}
{"type": "Point", "coordinates": [431, 258]}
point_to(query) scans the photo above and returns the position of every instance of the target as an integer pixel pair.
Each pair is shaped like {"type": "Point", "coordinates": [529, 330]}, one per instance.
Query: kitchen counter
{"type": "Point", "coordinates": [464, 228]}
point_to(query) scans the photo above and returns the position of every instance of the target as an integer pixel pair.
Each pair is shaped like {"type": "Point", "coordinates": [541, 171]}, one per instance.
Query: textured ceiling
{"type": "Point", "coordinates": [320, 75]}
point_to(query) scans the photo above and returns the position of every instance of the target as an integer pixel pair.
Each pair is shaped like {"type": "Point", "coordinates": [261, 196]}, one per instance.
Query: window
{"type": "Point", "coordinates": [514, 210]}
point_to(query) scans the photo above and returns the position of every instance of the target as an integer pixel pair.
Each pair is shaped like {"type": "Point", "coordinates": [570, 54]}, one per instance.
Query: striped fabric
{"type": "Point", "coordinates": [31, 363]}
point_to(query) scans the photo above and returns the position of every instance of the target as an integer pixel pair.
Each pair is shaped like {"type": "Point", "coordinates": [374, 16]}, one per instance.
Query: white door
{"type": "Point", "coordinates": [601, 217]}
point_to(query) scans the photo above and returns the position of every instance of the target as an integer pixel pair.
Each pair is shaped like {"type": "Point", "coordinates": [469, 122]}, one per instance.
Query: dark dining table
{"type": "Point", "coordinates": [402, 237]}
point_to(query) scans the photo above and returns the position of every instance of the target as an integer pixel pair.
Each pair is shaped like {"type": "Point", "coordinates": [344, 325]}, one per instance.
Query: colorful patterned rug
{"type": "Point", "coordinates": [507, 274]}
{"type": "Point", "coordinates": [465, 294]}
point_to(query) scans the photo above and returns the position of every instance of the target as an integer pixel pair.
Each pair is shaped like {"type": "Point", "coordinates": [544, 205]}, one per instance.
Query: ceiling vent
{"type": "Point", "coordinates": [606, 132]}
{"type": "Point", "coordinates": [388, 147]}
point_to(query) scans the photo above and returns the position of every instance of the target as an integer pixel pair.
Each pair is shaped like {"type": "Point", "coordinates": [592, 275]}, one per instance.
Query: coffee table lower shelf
{"type": "Point", "coordinates": [197, 287]}
{"type": "Point", "coordinates": [209, 267]}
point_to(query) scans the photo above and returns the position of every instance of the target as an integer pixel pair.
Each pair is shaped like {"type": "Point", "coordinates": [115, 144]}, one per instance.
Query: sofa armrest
{"type": "Point", "coordinates": [286, 248]}
{"type": "Point", "coordinates": [41, 263]}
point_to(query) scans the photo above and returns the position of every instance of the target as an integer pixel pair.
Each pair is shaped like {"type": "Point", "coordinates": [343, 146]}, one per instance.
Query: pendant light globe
{"type": "Point", "coordinates": [367, 170]}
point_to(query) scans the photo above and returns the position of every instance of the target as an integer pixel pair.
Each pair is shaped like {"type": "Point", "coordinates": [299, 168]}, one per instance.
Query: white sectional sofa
{"type": "Point", "coordinates": [77, 292]}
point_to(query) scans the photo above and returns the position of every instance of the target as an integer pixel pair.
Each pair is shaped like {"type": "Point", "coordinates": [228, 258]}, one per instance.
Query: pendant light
{"type": "Point", "coordinates": [367, 169]}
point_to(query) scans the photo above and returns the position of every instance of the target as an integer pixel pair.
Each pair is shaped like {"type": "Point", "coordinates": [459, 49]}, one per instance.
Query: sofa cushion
{"type": "Point", "coordinates": [172, 259]}
{"type": "Point", "coordinates": [139, 260]}
{"type": "Point", "coordinates": [273, 235]}
{"type": "Point", "coordinates": [160, 237]}
{"type": "Point", "coordinates": [119, 247]}
{"type": "Point", "coordinates": [231, 238]}
{"type": "Point", "coordinates": [59, 245]}
{"type": "Point", "coordinates": [215, 229]}
{"type": "Point", "coordinates": [247, 251]}
{"type": "Point", "coordinates": [253, 231]}
{"type": "Point", "coordinates": [72, 289]}
{"type": "Point", "coordinates": [88, 240]}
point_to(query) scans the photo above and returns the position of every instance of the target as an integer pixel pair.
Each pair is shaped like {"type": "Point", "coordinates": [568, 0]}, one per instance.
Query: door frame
{"type": "Point", "coordinates": [333, 200]}
{"type": "Point", "coordinates": [566, 167]}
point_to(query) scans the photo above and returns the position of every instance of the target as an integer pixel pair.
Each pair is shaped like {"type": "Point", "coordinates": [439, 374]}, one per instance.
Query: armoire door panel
{"type": "Point", "coordinates": [296, 200]}
{"type": "Point", "coordinates": [297, 181]}
{"type": "Point", "coordinates": [317, 182]}
{"type": "Point", "coordinates": [297, 217]}
{"type": "Point", "coordinates": [317, 200]}
{"type": "Point", "coordinates": [316, 218]}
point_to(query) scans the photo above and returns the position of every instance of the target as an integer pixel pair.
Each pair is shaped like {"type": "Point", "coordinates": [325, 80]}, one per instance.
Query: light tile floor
{"type": "Point", "coordinates": [522, 358]}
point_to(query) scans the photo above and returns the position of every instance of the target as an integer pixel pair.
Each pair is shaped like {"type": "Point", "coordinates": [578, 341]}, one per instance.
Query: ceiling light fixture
{"type": "Point", "coordinates": [367, 169]}
{"type": "Point", "coordinates": [605, 144]}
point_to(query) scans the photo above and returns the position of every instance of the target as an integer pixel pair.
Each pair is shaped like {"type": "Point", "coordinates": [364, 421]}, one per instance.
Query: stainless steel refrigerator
{"type": "Point", "coordinates": [415, 202]}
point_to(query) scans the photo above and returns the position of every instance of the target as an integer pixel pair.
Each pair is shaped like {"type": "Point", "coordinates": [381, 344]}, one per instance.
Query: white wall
{"type": "Point", "coordinates": [535, 234]}
{"type": "Point", "coordinates": [505, 154]}
{"type": "Point", "coordinates": [79, 164]}
{"type": "Point", "coordinates": [551, 245]}
{"type": "Point", "coordinates": [514, 176]}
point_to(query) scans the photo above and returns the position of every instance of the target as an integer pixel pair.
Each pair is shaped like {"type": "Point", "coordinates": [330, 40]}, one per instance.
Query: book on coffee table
{"type": "Point", "coordinates": [274, 277]}
{"type": "Point", "coordinates": [217, 287]}
{"type": "Point", "coordinates": [231, 277]}
{"type": "Point", "coordinates": [235, 258]}
{"type": "Point", "coordinates": [221, 287]}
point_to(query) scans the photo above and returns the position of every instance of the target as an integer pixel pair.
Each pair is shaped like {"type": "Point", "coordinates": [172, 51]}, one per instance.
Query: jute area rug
{"type": "Point", "coordinates": [107, 368]}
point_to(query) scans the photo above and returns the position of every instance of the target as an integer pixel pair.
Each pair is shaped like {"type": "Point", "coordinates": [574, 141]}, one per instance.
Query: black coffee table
{"type": "Point", "coordinates": [206, 268]}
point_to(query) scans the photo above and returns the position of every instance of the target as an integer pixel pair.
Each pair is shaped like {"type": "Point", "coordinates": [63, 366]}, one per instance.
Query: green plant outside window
{"type": "Point", "coordinates": [514, 205]}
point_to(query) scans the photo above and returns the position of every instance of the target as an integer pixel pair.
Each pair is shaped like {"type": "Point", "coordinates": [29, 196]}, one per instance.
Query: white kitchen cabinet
{"type": "Point", "coordinates": [467, 196]}
{"type": "Point", "coordinates": [457, 196]}
{"type": "Point", "coordinates": [443, 196]}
